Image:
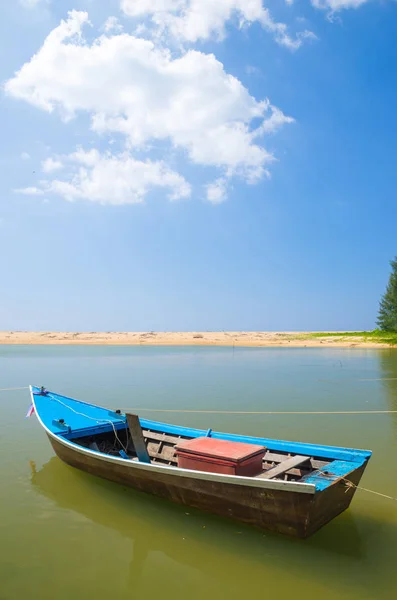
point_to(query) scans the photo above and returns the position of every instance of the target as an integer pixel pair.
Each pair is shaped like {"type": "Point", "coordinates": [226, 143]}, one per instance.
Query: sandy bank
{"type": "Point", "coordinates": [224, 338]}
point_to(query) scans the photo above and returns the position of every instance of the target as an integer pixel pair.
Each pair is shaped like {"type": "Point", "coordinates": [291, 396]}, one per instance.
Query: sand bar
{"type": "Point", "coordinates": [213, 338]}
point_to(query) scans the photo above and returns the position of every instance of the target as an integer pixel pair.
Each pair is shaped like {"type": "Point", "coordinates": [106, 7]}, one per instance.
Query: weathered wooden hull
{"type": "Point", "coordinates": [281, 510]}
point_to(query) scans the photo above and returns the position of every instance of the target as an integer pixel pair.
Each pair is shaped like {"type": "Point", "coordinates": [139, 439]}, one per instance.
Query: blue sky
{"type": "Point", "coordinates": [191, 165]}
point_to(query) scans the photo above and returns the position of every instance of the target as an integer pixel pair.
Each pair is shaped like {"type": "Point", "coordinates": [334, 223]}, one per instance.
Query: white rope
{"type": "Point", "coordinates": [26, 387]}
{"type": "Point", "coordinates": [350, 484]}
{"type": "Point", "coordinates": [92, 419]}
{"type": "Point", "coordinates": [267, 412]}
{"type": "Point", "coordinates": [232, 412]}
{"type": "Point", "coordinates": [377, 379]}
{"type": "Point", "coordinates": [373, 492]}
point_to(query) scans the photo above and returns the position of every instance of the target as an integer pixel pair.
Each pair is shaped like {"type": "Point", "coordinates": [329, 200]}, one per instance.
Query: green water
{"type": "Point", "coordinates": [65, 534]}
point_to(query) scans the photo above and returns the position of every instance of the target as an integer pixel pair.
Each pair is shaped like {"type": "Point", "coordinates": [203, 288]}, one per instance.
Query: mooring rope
{"type": "Point", "coordinates": [376, 379]}
{"type": "Point", "coordinates": [359, 487]}
{"type": "Point", "coordinates": [25, 387]}
{"type": "Point", "coordinates": [350, 484]}
{"type": "Point", "coordinates": [241, 412]}
{"type": "Point", "coordinates": [264, 412]}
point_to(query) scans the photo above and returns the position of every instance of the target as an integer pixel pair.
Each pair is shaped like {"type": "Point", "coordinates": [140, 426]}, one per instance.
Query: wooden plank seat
{"type": "Point", "coordinates": [284, 466]}
{"type": "Point", "coordinates": [275, 457]}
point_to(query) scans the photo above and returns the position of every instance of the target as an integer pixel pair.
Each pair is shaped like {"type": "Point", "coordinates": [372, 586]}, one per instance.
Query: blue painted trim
{"type": "Point", "coordinates": [92, 420]}
{"type": "Point", "coordinates": [324, 477]}
{"type": "Point", "coordinates": [328, 452]}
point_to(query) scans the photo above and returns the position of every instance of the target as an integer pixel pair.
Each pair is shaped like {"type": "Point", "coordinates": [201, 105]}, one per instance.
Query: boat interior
{"type": "Point", "coordinates": [161, 450]}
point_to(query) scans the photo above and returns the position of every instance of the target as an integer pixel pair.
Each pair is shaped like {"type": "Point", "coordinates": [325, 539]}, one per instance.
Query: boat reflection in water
{"type": "Point", "coordinates": [190, 546]}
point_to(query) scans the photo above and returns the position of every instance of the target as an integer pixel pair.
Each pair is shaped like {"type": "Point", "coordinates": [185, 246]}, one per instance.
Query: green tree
{"type": "Point", "coordinates": [387, 316]}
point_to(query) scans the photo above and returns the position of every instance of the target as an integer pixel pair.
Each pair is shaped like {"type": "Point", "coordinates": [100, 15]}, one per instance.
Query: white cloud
{"type": "Point", "coordinates": [193, 20]}
{"type": "Point", "coordinates": [139, 8]}
{"type": "Point", "coordinates": [276, 120]}
{"type": "Point", "coordinates": [30, 191]}
{"type": "Point", "coordinates": [25, 155]}
{"type": "Point", "coordinates": [335, 5]}
{"type": "Point", "coordinates": [50, 164]}
{"type": "Point", "coordinates": [130, 86]}
{"type": "Point", "coordinates": [114, 179]}
{"type": "Point", "coordinates": [217, 191]}
{"type": "Point", "coordinates": [112, 24]}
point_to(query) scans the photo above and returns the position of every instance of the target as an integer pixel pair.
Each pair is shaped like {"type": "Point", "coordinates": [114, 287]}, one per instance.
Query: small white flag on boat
{"type": "Point", "coordinates": [30, 411]}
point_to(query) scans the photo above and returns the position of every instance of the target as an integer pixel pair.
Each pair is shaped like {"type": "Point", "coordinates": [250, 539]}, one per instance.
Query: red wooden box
{"type": "Point", "coordinates": [220, 456]}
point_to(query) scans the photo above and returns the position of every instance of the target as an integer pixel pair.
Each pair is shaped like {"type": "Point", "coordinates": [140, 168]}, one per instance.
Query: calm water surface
{"type": "Point", "coordinates": [65, 534]}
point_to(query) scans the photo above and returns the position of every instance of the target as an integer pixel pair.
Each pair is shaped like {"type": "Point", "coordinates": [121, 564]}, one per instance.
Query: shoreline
{"type": "Point", "coordinates": [260, 339]}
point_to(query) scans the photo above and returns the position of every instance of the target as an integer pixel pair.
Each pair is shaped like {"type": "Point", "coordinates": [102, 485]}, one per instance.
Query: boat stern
{"type": "Point", "coordinates": [335, 489]}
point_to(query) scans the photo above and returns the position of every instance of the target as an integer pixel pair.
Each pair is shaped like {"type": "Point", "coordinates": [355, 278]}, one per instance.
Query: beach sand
{"type": "Point", "coordinates": [213, 338]}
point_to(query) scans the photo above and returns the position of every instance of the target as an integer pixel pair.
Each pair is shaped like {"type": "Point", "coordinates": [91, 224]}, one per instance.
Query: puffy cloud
{"type": "Point", "coordinates": [139, 8]}
{"type": "Point", "coordinates": [50, 164]}
{"type": "Point", "coordinates": [112, 24]}
{"type": "Point", "coordinates": [130, 86]}
{"type": "Point", "coordinates": [276, 120]}
{"type": "Point", "coordinates": [193, 20]}
{"type": "Point", "coordinates": [217, 191]}
{"type": "Point", "coordinates": [112, 179]}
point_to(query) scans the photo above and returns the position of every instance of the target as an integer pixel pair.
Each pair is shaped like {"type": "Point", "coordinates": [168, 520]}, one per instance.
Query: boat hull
{"type": "Point", "coordinates": [283, 511]}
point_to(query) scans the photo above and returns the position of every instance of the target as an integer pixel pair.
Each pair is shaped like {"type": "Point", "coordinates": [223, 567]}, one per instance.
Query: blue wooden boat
{"type": "Point", "coordinates": [297, 489]}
